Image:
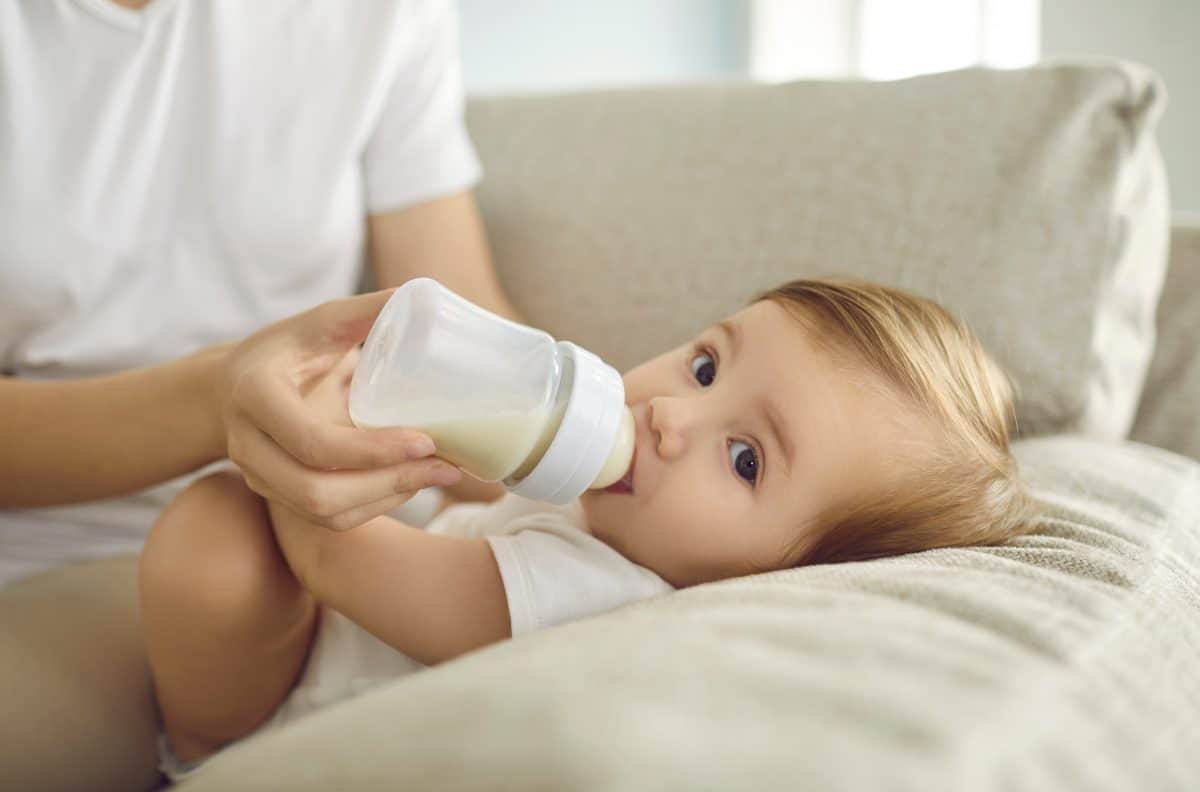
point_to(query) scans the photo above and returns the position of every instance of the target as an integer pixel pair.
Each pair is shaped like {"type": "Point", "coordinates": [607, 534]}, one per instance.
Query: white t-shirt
{"type": "Point", "coordinates": [553, 570]}
{"type": "Point", "coordinates": [183, 175]}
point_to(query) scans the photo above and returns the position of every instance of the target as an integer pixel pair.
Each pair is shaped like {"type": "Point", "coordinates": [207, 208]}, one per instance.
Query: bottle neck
{"type": "Point", "coordinates": [580, 440]}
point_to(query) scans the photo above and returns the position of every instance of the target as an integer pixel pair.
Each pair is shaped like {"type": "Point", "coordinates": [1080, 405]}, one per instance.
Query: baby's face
{"type": "Point", "coordinates": [744, 435]}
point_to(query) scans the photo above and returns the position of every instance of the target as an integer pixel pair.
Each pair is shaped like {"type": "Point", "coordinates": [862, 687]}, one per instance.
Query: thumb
{"type": "Point", "coordinates": [343, 323]}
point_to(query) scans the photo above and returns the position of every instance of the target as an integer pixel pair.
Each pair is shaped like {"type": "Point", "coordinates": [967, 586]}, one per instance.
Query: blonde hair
{"type": "Point", "coordinates": [966, 489]}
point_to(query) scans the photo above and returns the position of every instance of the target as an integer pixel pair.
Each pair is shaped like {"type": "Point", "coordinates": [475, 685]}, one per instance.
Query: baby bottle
{"type": "Point", "coordinates": [502, 401]}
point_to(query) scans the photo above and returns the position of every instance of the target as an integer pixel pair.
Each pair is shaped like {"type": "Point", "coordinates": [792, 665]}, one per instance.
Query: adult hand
{"type": "Point", "coordinates": [291, 448]}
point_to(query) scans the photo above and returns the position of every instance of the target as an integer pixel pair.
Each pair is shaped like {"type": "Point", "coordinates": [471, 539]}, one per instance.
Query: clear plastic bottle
{"type": "Point", "coordinates": [503, 401]}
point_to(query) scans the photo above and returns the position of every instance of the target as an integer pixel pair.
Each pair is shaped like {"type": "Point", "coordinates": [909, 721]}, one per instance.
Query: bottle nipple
{"type": "Point", "coordinates": [621, 456]}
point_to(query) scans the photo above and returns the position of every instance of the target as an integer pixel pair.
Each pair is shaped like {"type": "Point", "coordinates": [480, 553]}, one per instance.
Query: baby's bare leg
{"type": "Point", "coordinates": [226, 624]}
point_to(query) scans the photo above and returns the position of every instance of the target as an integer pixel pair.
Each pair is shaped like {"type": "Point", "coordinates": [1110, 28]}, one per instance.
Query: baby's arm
{"type": "Point", "coordinates": [432, 597]}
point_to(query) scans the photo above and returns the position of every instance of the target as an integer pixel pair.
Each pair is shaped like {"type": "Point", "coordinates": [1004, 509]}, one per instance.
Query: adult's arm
{"type": "Point", "coordinates": [443, 239]}
{"type": "Point", "coordinates": [78, 440]}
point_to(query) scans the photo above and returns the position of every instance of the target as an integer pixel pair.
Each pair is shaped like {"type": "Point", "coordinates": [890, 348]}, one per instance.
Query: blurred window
{"type": "Point", "coordinates": [888, 39]}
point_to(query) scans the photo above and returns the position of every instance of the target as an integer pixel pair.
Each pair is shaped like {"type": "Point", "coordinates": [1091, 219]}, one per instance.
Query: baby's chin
{"type": "Point", "coordinates": [600, 515]}
{"type": "Point", "coordinates": [588, 502]}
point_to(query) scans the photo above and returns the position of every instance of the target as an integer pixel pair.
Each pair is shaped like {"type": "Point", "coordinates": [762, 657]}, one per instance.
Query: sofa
{"type": "Point", "coordinates": [1034, 204]}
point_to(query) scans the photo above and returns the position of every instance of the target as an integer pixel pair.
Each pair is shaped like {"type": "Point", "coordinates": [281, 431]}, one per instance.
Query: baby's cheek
{"type": "Point", "coordinates": [673, 525]}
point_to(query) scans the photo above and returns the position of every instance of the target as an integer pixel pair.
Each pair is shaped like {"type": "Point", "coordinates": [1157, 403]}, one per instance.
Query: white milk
{"type": "Point", "coordinates": [491, 443]}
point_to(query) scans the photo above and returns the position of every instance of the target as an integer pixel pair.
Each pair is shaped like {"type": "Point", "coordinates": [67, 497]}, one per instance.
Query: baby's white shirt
{"type": "Point", "coordinates": [553, 570]}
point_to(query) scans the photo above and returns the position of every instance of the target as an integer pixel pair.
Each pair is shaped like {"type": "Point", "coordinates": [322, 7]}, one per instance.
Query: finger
{"type": "Point", "coordinates": [339, 522]}
{"type": "Point", "coordinates": [442, 475]}
{"type": "Point", "coordinates": [342, 521]}
{"type": "Point", "coordinates": [343, 373]}
{"type": "Point", "coordinates": [262, 488]}
{"type": "Point", "coordinates": [353, 518]}
{"type": "Point", "coordinates": [272, 404]}
{"type": "Point", "coordinates": [349, 519]}
{"type": "Point", "coordinates": [324, 494]}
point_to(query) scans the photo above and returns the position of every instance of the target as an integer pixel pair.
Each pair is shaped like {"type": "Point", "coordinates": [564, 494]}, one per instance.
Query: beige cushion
{"type": "Point", "coordinates": [1169, 414]}
{"type": "Point", "coordinates": [1067, 661]}
{"type": "Point", "coordinates": [1031, 202]}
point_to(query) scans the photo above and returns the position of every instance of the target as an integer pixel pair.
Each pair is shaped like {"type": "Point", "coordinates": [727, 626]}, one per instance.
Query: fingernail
{"type": "Point", "coordinates": [419, 447]}
{"type": "Point", "coordinates": [444, 476]}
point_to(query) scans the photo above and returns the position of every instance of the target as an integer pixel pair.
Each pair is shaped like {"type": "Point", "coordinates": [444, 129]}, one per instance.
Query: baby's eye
{"type": "Point", "coordinates": [704, 369]}
{"type": "Point", "coordinates": [745, 460]}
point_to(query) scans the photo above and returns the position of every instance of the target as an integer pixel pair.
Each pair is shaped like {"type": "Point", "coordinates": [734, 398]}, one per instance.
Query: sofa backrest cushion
{"type": "Point", "coordinates": [1169, 413]}
{"type": "Point", "coordinates": [1030, 202]}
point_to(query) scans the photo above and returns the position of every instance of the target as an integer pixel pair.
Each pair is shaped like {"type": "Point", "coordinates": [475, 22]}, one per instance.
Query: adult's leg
{"type": "Point", "coordinates": [77, 699]}
{"type": "Point", "coordinates": [227, 625]}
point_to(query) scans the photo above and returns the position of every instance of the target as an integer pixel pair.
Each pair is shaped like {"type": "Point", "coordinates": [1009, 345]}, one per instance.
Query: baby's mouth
{"type": "Point", "coordinates": [624, 485]}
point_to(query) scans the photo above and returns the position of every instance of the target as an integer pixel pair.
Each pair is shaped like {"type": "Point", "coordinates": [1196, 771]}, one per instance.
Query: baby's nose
{"type": "Point", "coordinates": [668, 423]}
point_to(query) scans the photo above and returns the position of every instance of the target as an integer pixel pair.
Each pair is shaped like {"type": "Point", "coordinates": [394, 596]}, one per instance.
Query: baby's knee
{"type": "Point", "coordinates": [212, 547]}
{"type": "Point", "coordinates": [224, 492]}
{"type": "Point", "coordinates": [210, 510]}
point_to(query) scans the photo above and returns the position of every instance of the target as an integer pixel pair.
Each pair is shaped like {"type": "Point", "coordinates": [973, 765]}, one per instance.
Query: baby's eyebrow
{"type": "Point", "coordinates": [779, 427]}
{"type": "Point", "coordinates": [733, 334]}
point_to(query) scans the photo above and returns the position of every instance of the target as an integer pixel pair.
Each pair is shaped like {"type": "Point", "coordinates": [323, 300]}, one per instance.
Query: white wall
{"type": "Point", "coordinates": [545, 45]}
{"type": "Point", "coordinates": [1163, 34]}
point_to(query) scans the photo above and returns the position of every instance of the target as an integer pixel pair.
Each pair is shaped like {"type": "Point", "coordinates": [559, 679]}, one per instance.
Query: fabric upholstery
{"type": "Point", "coordinates": [1031, 202]}
{"type": "Point", "coordinates": [1169, 413]}
{"type": "Point", "coordinates": [1066, 661]}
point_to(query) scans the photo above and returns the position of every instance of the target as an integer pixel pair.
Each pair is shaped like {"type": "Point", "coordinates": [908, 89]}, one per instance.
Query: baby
{"type": "Point", "coordinates": [830, 420]}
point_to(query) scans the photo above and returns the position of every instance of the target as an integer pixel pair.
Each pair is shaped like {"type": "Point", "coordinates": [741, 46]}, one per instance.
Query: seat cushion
{"type": "Point", "coordinates": [1065, 661]}
{"type": "Point", "coordinates": [1031, 202]}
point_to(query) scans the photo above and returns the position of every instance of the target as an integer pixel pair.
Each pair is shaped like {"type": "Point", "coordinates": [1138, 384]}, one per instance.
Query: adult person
{"type": "Point", "coordinates": [178, 173]}
{"type": "Point", "coordinates": [175, 175]}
